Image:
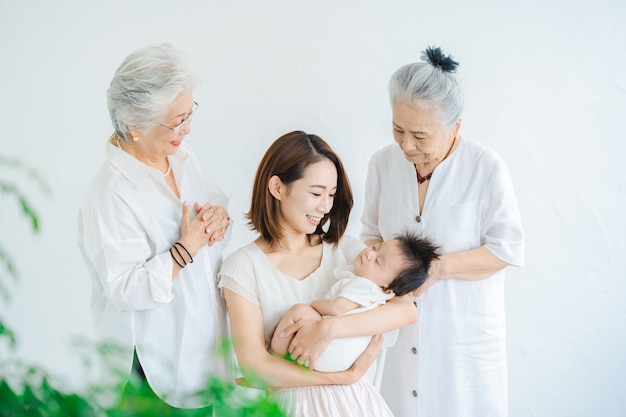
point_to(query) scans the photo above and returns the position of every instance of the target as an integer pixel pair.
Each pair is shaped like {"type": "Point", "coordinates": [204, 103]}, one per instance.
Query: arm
{"type": "Point", "coordinates": [312, 339]}
{"type": "Point", "coordinates": [247, 331]}
{"type": "Point", "coordinates": [501, 236]}
{"type": "Point", "coordinates": [334, 307]}
{"type": "Point", "coordinates": [471, 265]}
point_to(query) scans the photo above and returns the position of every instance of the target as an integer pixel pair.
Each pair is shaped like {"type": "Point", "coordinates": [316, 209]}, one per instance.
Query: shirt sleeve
{"type": "Point", "coordinates": [237, 274]}
{"type": "Point", "coordinates": [502, 232]}
{"type": "Point", "coordinates": [364, 292]}
{"type": "Point", "coordinates": [369, 218]}
{"type": "Point", "coordinates": [124, 268]}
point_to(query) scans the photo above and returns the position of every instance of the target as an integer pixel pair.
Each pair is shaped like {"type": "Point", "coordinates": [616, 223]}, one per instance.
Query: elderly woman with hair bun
{"type": "Point", "coordinates": [151, 230]}
{"type": "Point", "coordinates": [459, 193]}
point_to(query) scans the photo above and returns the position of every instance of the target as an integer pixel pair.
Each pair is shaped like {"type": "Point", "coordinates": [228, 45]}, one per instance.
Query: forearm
{"type": "Point", "coordinates": [247, 332]}
{"type": "Point", "coordinates": [396, 313]}
{"type": "Point", "coordinates": [474, 264]}
{"type": "Point", "coordinates": [274, 371]}
{"type": "Point", "coordinates": [334, 307]}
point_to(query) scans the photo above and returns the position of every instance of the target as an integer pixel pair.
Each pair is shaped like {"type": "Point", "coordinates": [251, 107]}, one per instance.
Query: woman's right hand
{"type": "Point", "coordinates": [193, 229]}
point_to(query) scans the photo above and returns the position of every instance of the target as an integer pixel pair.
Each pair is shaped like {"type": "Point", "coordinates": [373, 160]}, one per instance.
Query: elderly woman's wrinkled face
{"type": "Point", "coordinates": [161, 140]}
{"type": "Point", "coordinates": [420, 134]}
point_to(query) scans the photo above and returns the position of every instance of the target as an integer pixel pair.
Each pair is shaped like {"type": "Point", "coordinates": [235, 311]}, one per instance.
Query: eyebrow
{"type": "Point", "coordinates": [322, 187]}
{"type": "Point", "coordinates": [182, 114]}
{"type": "Point", "coordinates": [410, 131]}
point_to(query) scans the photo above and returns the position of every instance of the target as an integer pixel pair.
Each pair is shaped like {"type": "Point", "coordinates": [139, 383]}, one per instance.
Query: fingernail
{"type": "Point", "coordinates": [213, 239]}
{"type": "Point", "coordinates": [228, 219]}
{"type": "Point", "coordinates": [208, 230]}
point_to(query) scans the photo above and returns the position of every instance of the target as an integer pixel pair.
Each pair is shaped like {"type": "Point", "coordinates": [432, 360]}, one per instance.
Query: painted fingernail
{"type": "Point", "coordinates": [213, 239]}
{"type": "Point", "coordinates": [228, 219]}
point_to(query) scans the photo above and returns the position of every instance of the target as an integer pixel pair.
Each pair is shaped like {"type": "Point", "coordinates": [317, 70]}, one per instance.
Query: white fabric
{"type": "Point", "coordinates": [128, 221]}
{"type": "Point", "coordinates": [341, 353]}
{"type": "Point", "coordinates": [453, 361]}
{"type": "Point", "coordinates": [249, 273]}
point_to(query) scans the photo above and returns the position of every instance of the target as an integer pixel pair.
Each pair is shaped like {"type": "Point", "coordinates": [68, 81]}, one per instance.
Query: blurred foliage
{"type": "Point", "coordinates": [9, 187]}
{"type": "Point", "coordinates": [28, 391]}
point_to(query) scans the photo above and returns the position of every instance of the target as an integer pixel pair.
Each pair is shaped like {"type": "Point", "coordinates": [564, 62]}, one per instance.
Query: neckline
{"type": "Point", "coordinates": [427, 177]}
{"type": "Point", "coordinates": [290, 277]}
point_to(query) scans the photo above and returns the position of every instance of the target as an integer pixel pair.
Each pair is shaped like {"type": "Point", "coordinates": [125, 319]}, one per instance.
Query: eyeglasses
{"type": "Point", "coordinates": [178, 128]}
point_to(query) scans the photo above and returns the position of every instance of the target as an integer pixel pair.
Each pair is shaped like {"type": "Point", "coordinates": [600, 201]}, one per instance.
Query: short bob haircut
{"type": "Point", "coordinates": [422, 81]}
{"type": "Point", "coordinates": [287, 158]}
{"type": "Point", "coordinates": [418, 253]}
{"type": "Point", "coordinates": [145, 85]}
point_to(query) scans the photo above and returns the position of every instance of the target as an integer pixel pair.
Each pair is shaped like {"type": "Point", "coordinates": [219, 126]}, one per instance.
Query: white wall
{"type": "Point", "coordinates": [545, 86]}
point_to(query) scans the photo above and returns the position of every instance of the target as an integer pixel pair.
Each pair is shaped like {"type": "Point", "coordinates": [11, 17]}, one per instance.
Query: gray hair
{"type": "Point", "coordinates": [424, 81]}
{"type": "Point", "coordinates": [145, 85]}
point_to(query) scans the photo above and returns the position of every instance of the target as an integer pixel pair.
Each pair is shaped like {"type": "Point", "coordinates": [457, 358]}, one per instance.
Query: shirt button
{"type": "Point", "coordinates": [414, 393]}
{"type": "Point", "coordinates": [418, 218]}
{"type": "Point", "coordinates": [414, 350]}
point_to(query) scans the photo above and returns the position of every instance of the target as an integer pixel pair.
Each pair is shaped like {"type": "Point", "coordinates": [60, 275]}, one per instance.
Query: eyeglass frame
{"type": "Point", "coordinates": [176, 129]}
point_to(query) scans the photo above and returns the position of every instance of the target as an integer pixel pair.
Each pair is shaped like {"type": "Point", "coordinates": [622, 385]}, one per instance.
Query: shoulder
{"type": "Point", "coordinates": [241, 261]}
{"type": "Point", "coordinates": [477, 151]}
{"type": "Point", "coordinates": [387, 155]}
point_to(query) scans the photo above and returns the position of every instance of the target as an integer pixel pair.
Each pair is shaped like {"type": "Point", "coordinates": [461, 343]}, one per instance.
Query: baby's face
{"type": "Point", "coordinates": [380, 263]}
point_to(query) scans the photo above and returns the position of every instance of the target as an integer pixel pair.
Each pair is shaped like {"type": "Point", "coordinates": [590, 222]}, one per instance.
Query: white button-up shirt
{"type": "Point", "coordinates": [453, 361]}
{"type": "Point", "coordinates": [128, 221]}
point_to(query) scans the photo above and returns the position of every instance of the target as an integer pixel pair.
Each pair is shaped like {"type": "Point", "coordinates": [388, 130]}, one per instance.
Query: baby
{"type": "Point", "coordinates": [392, 268]}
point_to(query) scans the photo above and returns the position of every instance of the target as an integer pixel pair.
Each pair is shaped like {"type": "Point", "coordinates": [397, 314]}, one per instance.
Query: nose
{"type": "Point", "coordinates": [187, 127]}
{"type": "Point", "coordinates": [406, 143]}
{"type": "Point", "coordinates": [325, 205]}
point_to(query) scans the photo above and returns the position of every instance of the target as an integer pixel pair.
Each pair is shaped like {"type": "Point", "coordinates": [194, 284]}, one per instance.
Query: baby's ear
{"type": "Point", "coordinates": [387, 291]}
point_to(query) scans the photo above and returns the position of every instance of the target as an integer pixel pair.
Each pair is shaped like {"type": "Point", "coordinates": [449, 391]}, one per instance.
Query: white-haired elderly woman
{"type": "Point", "coordinates": [148, 227]}
{"type": "Point", "coordinates": [459, 193]}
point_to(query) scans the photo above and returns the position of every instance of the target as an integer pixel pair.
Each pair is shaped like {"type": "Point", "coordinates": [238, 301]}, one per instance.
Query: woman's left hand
{"type": "Point", "coordinates": [434, 272]}
{"type": "Point", "coordinates": [310, 340]}
{"type": "Point", "coordinates": [216, 220]}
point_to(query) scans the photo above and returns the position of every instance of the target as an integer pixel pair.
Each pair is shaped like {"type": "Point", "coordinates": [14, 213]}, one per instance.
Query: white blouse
{"type": "Point", "coordinates": [453, 361]}
{"type": "Point", "coordinates": [249, 273]}
{"type": "Point", "coordinates": [128, 221]}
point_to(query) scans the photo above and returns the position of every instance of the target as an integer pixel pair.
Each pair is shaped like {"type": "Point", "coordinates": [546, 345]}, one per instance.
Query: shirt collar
{"type": "Point", "coordinates": [133, 169]}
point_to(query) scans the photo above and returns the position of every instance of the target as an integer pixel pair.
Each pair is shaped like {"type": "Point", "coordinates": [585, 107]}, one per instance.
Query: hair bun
{"type": "Point", "coordinates": [436, 57]}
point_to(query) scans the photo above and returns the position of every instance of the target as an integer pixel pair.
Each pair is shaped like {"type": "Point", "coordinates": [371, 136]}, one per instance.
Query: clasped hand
{"type": "Point", "coordinates": [207, 226]}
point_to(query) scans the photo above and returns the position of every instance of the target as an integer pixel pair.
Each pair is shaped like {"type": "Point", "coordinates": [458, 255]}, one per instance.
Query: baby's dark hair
{"type": "Point", "coordinates": [419, 252]}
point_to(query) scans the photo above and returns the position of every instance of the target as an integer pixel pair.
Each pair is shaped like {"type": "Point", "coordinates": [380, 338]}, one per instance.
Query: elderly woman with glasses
{"type": "Point", "coordinates": [459, 193]}
{"type": "Point", "coordinates": [151, 230]}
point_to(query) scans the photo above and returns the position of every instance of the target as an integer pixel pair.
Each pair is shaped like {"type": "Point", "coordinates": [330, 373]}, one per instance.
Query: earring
{"type": "Point", "coordinates": [135, 139]}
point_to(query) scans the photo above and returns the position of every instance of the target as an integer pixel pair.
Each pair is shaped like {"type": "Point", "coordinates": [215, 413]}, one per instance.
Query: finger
{"type": "Point", "coordinates": [207, 212]}
{"type": "Point", "coordinates": [197, 207]}
{"type": "Point", "coordinates": [186, 210]}
{"type": "Point", "coordinates": [291, 329]}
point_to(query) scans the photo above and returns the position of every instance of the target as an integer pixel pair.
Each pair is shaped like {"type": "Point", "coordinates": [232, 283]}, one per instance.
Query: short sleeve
{"type": "Point", "coordinates": [237, 274]}
{"type": "Point", "coordinates": [502, 230]}
{"type": "Point", "coordinates": [364, 292]}
{"type": "Point", "coordinates": [369, 218]}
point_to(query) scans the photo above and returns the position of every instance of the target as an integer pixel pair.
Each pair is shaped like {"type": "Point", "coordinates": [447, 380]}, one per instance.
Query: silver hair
{"type": "Point", "coordinates": [423, 81]}
{"type": "Point", "coordinates": [145, 85]}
